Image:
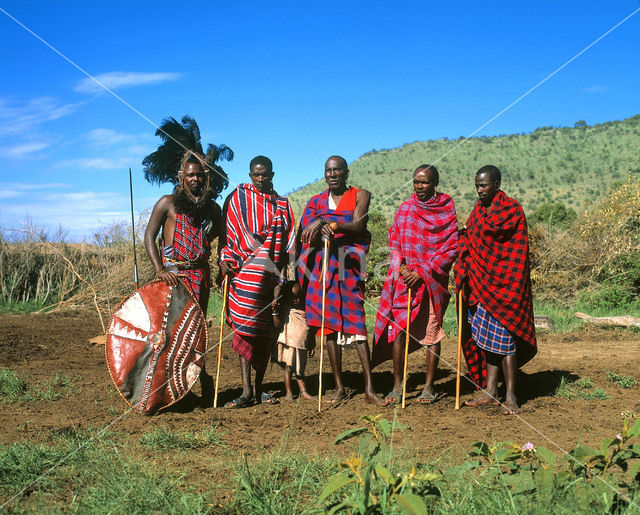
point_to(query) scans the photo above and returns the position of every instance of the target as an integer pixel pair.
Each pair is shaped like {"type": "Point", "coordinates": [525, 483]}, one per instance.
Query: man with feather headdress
{"type": "Point", "coordinates": [189, 218]}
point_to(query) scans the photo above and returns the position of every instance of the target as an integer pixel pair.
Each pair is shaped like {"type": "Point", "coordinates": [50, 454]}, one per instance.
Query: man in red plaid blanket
{"type": "Point", "coordinates": [339, 214]}
{"type": "Point", "coordinates": [493, 271]}
{"type": "Point", "coordinates": [423, 241]}
{"type": "Point", "coordinates": [259, 243]}
{"type": "Point", "coordinates": [189, 220]}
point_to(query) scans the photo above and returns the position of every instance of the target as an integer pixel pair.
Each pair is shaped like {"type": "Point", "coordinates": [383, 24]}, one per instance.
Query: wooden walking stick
{"type": "Point", "coordinates": [460, 313]}
{"type": "Point", "coordinates": [406, 350]}
{"type": "Point", "coordinates": [133, 235]}
{"type": "Point", "coordinates": [325, 257]}
{"type": "Point", "coordinates": [225, 290]}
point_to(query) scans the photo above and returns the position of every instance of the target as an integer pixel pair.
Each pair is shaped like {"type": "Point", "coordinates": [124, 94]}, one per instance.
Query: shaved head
{"type": "Point", "coordinates": [492, 171]}
{"type": "Point", "coordinates": [340, 161]}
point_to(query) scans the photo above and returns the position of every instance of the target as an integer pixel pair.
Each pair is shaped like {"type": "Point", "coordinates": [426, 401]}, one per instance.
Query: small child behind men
{"type": "Point", "coordinates": [295, 342]}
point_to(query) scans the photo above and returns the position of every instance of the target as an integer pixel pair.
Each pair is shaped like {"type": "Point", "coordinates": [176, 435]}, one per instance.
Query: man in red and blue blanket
{"type": "Point", "coordinates": [260, 240]}
{"type": "Point", "coordinates": [189, 219]}
{"type": "Point", "coordinates": [340, 215]}
{"type": "Point", "coordinates": [423, 242]}
{"type": "Point", "coordinates": [493, 271]}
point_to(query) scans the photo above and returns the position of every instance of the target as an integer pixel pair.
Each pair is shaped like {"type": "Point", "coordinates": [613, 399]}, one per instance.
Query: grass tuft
{"type": "Point", "coordinates": [12, 386]}
{"type": "Point", "coordinates": [621, 380]}
{"type": "Point", "coordinates": [53, 389]}
{"type": "Point", "coordinates": [579, 389]}
{"type": "Point", "coordinates": [163, 439]}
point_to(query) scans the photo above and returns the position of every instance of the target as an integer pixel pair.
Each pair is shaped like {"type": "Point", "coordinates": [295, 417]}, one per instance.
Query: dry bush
{"type": "Point", "coordinates": [48, 273]}
{"type": "Point", "coordinates": [595, 249]}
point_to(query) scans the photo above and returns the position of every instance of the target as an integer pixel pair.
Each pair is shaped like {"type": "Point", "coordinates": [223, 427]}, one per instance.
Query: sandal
{"type": "Point", "coordinates": [240, 402]}
{"type": "Point", "coordinates": [426, 398]}
{"type": "Point", "coordinates": [393, 397]}
{"type": "Point", "coordinates": [267, 398]}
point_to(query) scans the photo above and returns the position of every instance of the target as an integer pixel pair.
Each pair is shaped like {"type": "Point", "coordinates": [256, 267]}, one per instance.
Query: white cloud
{"type": "Point", "coordinates": [595, 89]}
{"type": "Point", "coordinates": [80, 212]}
{"type": "Point", "coordinates": [99, 163]}
{"type": "Point", "coordinates": [20, 117]}
{"type": "Point", "coordinates": [106, 136]}
{"type": "Point", "coordinates": [120, 80]}
{"type": "Point", "coordinates": [21, 189]}
{"type": "Point", "coordinates": [22, 150]}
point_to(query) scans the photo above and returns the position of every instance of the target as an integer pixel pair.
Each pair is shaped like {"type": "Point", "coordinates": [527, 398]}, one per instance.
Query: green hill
{"type": "Point", "coordinates": [570, 165]}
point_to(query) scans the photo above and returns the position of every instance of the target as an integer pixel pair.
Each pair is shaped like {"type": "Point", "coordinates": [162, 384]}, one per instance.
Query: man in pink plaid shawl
{"type": "Point", "coordinates": [423, 241]}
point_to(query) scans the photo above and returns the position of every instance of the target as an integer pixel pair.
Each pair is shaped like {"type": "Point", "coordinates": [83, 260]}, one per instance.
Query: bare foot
{"type": "Point", "coordinates": [372, 398]}
{"type": "Point", "coordinates": [288, 397]}
{"type": "Point", "coordinates": [306, 395]}
{"type": "Point", "coordinates": [338, 395]}
{"type": "Point", "coordinates": [511, 407]}
{"type": "Point", "coordinates": [482, 400]}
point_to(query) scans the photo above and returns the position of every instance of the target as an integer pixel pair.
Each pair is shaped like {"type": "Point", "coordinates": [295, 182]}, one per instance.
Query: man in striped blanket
{"type": "Point", "coordinates": [340, 215]}
{"type": "Point", "coordinates": [260, 239]}
{"type": "Point", "coordinates": [423, 242]}
{"type": "Point", "coordinates": [493, 271]}
{"type": "Point", "coordinates": [189, 219]}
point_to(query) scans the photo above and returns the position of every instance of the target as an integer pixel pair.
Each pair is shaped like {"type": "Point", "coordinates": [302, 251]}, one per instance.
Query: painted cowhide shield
{"type": "Point", "coordinates": [156, 342]}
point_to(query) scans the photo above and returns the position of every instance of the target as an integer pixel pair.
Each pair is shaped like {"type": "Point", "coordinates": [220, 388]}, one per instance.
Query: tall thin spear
{"type": "Point", "coordinates": [133, 233]}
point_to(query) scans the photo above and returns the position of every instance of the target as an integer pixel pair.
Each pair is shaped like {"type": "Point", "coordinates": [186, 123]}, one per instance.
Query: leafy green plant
{"type": "Point", "coordinates": [378, 490]}
{"type": "Point", "coordinates": [12, 386]}
{"type": "Point", "coordinates": [533, 469]}
{"type": "Point", "coordinates": [621, 380]}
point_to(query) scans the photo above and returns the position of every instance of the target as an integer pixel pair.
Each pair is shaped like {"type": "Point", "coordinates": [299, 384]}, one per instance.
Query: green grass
{"type": "Point", "coordinates": [565, 320]}
{"type": "Point", "coordinates": [51, 390]}
{"type": "Point", "coordinates": [100, 478]}
{"type": "Point", "coordinates": [106, 476]}
{"type": "Point", "coordinates": [12, 386]}
{"type": "Point", "coordinates": [163, 439]}
{"type": "Point", "coordinates": [280, 484]}
{"type": "Point", "coordinates": [621, 380]}
{"type": "Point", "coordinates": [580, 389]}
{"type": "Point", "coordinates": [20, 307]}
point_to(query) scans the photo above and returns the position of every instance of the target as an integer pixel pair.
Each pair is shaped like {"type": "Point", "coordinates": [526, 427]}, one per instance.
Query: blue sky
{"type": "Point", "coordinates": [296, 81]}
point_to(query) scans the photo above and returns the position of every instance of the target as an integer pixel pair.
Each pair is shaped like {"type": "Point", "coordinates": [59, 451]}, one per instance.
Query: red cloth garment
{"type": "Point", "coordinates": [190, 243]}
{"type": "Point", "coordinates": [423, 237]}
{"type": "Point", "coordinates": [493, 267]}
{"type": "Point", "coordinates": [254, 349]}
{"type": "Point", "coordinates": [260, 237]}
{"type": "Point", "coordinates": [346, 269]}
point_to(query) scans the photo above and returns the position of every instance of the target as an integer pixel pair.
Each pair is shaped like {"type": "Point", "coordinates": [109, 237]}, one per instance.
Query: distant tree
{"type": "Point", "coordinates": [555, 214]}
{"type": "Point", "coordinates": [580, 124]}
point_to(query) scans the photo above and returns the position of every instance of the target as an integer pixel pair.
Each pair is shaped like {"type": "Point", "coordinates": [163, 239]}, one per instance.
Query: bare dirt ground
{"type": "Point", "coordinates": [39, 346]}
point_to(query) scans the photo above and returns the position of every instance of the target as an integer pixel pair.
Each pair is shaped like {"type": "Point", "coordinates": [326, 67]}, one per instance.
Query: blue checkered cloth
{"type": "Point", "coordinates": [489, 334]}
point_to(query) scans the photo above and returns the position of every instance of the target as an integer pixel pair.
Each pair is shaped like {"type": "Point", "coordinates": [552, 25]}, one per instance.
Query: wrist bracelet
{"type": "Point", "coordinates": [282, 280]}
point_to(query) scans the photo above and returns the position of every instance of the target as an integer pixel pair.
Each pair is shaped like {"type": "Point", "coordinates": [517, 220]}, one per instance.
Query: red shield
{"type": "Point", "coordinates": [156, 342]}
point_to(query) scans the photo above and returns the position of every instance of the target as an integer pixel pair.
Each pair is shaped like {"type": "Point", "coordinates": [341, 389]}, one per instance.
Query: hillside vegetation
{"type": "Point", "coordinates": [574, 166]}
